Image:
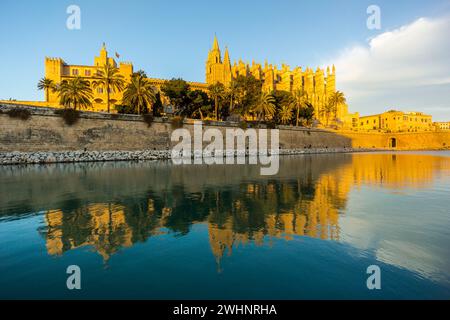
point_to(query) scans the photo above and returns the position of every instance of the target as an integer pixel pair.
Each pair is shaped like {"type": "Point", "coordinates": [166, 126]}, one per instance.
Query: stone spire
{"type": "Point", "coordinates": [214, 55]}
{"type": "Point", "coordinates": [226, 57]}
{"type": "Point", "coordinates": [227, 74]}
{"type": "Point", "coordinates": [216, 44]}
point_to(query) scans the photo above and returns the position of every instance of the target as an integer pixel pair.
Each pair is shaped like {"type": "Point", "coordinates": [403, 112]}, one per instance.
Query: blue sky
{"type": "Point", "coordinates": [171, 39]}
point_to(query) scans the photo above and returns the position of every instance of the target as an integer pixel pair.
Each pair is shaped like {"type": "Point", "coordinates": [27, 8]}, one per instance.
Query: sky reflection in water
{"type": "Point", "coordinates": [154, 230]}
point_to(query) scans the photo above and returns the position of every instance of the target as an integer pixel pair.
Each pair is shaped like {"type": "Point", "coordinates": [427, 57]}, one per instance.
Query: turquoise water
{"type": "Point", "coordinates": [159, 231]}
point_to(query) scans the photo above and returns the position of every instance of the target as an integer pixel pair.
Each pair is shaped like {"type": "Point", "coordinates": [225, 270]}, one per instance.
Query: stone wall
{"type": "Point", "coordinates": [403, 140]}
{"type": "Point", "coordinates": [46, 131]}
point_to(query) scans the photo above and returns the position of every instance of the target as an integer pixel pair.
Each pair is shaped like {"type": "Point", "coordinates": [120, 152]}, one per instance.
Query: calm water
{"type": "Point", "coordinates": [154, 230]}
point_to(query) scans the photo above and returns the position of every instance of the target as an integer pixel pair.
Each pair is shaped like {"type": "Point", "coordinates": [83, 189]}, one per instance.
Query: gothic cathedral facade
{"type": "Point", "coordinates": [318, 85]}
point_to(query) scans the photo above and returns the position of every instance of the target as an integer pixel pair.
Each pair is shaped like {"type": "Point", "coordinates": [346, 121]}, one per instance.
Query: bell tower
{"type": "Point", "coordinates": [103, 58]}
{"type": "Point", "coordinates": [214, 65]}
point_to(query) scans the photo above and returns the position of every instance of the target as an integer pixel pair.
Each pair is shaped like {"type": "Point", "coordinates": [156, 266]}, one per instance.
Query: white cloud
{"type": "Point", "coordinates": [407, 69]}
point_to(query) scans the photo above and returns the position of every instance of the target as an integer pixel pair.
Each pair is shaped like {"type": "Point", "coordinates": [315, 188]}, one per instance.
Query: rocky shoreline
{"type": "Point", "coordinates": [44, 157]}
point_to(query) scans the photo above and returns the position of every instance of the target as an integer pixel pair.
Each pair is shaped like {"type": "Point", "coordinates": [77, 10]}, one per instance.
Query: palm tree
{"type": "Point", "coordinates": [286, 113]}
{"type": "Point", "coordinates": [307, 113]}
{"type": "Point", "coordinates": [330, 107]}
{"type": "Point", "coordinates": [46, 84]}
{"type": "Point", "coordinates": [139, 93]}
{"type": "Point", "coordinates": [232, 92]}
{"type": "Point", "coordinates": [75, 93]}
{"type": "Point", "coordinates": [265, 105]}
{"type": "Point", "coordinates": [300, 97]}
{"type": "Point", "coordinates": [216, 91]}
{"type": "Point", "coordinates": [140, 72]}
{"type": "Point", "coordinates": [110, 79]}
{"type": "Point", "coordinates": [338, 98]}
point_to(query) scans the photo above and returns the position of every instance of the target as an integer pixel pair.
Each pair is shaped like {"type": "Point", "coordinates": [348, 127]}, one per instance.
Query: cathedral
{"type": "Point", "coordinates": [319, 85]}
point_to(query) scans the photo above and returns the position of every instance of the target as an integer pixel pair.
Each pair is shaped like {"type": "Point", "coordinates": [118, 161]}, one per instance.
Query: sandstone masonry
{"type": "Point", "coordinates": [106, 137]}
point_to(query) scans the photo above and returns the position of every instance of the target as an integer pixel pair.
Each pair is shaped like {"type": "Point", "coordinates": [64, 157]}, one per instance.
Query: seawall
{"type": "Point", "coordinates": [47, 131]}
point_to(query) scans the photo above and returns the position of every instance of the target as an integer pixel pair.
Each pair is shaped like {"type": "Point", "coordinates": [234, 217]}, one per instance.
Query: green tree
{"type": "Point", "coordinates": [177, 91]}
{"type": "Point", "coordinates": [248, 90]}
{"type": "Point", "coordinates": [265, 106]}
{"type": "Point", "coordinates": [139, 94]}
{"type": "Point", "coordinates": [140, 72]}
{"type": "Point", "coordinates": [158, 107]}
{"type": "Point", "coordinates": [336, 99]}
{"type": "Point", "coordinates": [286, 114]}
{"type": "Point", "coordinates": [75, 93]}
{"type": "Point", "coordinates": [111, 80]}
{"type": "Point", "coordinates": [307, 113]}
{"type": "Point", "coordinates": [328, 109]}
{"type": "Point", "coordinates": [231, 94]}
{"type": "Point", "coordinates": [282, 98]}
{"type": "Point", "coordinates": [200, 104]}
{"type": "Point", "coordinates": [217, 93]}
{"type": "Point", "coordinates": [300, 97]}
{"type": "Point", "coordinates": [47, 85]}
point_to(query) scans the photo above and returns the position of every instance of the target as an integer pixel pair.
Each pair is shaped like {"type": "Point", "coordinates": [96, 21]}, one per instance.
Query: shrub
{"type": "Point", "coordinates": [176, 122]}
{"type": "Point", "coordinates": [271, 125]}
{"type": "Point", "coordinates": [124, 109]}
{"type": "Point", "coordinates": [70, 116]}
{"type": "Point", "coordinates": [148, 119]}
{"type": "Point", "coordinates": [19, 113]}
{"type": "Point", "coordinates": [243, 125]}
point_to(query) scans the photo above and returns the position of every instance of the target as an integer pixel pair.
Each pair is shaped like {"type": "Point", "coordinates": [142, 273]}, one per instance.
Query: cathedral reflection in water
{"type": "Point", "coordinates": [306, 198]}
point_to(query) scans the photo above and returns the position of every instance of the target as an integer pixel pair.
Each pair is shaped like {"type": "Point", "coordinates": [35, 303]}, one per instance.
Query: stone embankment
{"type": "Point", "coordinates": [9, 158]}
{"type": "Point", "coordinates": [44, 137]}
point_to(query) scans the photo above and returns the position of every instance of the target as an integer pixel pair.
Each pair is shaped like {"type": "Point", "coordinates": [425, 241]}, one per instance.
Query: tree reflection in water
{"type": "Point", "coordinates": [111, 206]}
